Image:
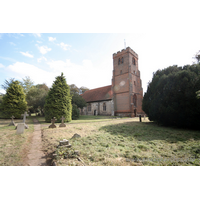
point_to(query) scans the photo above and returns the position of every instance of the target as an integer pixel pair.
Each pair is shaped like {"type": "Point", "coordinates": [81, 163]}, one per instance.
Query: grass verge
{"type": "Point", "coordinates": [14, 147]}
{"type": "Point", "coordinates": [120, 142]}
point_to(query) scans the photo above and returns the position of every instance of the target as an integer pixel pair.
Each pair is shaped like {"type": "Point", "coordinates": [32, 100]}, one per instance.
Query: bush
{"type": "Point", "coordinates": [75, 112]}
{"type": "Point", "coordinates": [171, 96]}
{"type": "Point", "coordinates": [58, 101]}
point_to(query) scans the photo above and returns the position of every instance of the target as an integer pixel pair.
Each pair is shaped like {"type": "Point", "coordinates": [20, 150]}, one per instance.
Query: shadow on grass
{"type": "Point", "coordinates": [148, 131]}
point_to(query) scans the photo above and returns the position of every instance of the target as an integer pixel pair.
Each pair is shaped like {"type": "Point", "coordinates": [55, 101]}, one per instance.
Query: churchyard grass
{"type": "Point", "coordinates": [125, 142]}
{"type": "Point", "coordinates": [13, 147]}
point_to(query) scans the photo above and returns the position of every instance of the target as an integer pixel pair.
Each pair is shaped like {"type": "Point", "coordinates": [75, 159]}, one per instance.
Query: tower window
{"type": "Point", "coordinates": [89, 107]}
{"type": "Point", "coordinates": [134, 83]}
{"type": "Point", "coordinates": [133, 61]}
{"type": "Point", "coordinates": [119, 61]}
{"type": "Point", "coordinates": [104, 106]}
{"type": "Point", "coordinates": [120, 71]}
{"type": "Point", "coordinates": [122, 60]}
{"type": "Point", "coordinates": [134, 71]}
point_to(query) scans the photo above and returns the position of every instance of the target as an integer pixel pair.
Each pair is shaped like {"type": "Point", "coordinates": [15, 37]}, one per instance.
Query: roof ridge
{"type": "Point", "coordinates": [99, 87]}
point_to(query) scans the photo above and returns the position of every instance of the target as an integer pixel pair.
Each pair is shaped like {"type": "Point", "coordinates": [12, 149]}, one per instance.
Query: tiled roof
{"type": "Point", "coordinates": [98, 94]}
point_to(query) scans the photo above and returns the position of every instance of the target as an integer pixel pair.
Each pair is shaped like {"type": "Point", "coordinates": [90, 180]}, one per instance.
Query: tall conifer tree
{"type": "Point", "coordinates": [14, 102]}
{"type": "Point", "coordinates": [58, 101]}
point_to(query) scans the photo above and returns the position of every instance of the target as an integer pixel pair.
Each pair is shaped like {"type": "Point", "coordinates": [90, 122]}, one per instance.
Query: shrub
{"type": "Point", "coordinates": [75, 112]}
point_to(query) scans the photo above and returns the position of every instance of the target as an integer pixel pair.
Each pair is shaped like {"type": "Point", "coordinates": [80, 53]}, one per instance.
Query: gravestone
{"type": "Point", "coordinates": [20, 128]}
{"type": "Point", "coordinates": [144, 117]}
{"type": "Point", "coordinates": [53, 123]}
{"type": "Point", "coordinates": [24, 119]}
{"type": "Point", "coordinates": [12, 123]}
{"type": "Point", "coordinates": [62, 124]}
{"type": "Point", "coordinates": [64, 143]}
{"type": "Point", "coordinates": [76, 136]}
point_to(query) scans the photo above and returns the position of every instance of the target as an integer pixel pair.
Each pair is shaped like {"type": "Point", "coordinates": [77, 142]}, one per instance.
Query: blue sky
{"type": "Point", "coordinates": [86, 58]}
{"type": "Point", "coordinates": [80, 40]}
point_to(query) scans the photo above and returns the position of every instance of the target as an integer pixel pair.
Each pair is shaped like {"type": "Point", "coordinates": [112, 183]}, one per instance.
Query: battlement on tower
{"type": "Point", "coordinates": [128, 49]}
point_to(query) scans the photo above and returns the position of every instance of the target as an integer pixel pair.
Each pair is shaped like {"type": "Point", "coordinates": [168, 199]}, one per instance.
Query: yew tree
{"type": "Point", "coordinates": [171, 96]}
{"type": "Point", "coordinates": [58, 101]}
{"type": "Point", "coordinates": [14, 101]}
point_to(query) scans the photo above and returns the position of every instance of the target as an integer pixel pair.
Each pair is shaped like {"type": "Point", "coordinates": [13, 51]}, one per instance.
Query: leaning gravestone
{"type": "Point", "coordinates": [24, 119]}
{"type": "Point", "coordinates": [62, 124]}
{"type": "Point", "coordinates": [53, 123]}
{"type": "Point", "coordinates": [12, 123]}
{"type": "Point", "coordinates": [20, 128]}
{"type": "Point", "coordinates": [76, 136]}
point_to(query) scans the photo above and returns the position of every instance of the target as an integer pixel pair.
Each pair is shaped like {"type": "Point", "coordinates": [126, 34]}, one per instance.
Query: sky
{"type": "Point", "coordinates": [81, 46]}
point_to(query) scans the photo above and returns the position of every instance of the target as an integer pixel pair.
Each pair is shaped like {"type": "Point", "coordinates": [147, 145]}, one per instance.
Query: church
{"type": "Point", "coordinates": [124, 96]}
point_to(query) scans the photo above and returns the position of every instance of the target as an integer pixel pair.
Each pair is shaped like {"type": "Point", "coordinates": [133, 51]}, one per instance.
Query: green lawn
{"type": "Point", "coordinates": [108, 141]}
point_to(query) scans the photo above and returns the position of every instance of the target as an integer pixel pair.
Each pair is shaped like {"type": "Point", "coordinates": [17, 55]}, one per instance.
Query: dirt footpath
{"type": "Point", "coordinates": [35, 156]}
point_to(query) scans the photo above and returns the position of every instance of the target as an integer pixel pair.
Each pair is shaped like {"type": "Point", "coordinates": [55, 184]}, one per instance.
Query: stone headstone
{"type": "Point", "coordinates": [76, 135]}
{"type": "Point", "coordinates": [12, 123]}
{"type": "Point", "coordinates": [64, 142]}
{"type": "Point", "coordinates": [62, 124]}
{"type": "Point", "coordinates": [53, 123]}
{"type": "Point", "coordinates": [24, 119]}
{"type": "Point", "coordinates": [20, 128]}
{"type": "Point", "coordinates": [144, 117]}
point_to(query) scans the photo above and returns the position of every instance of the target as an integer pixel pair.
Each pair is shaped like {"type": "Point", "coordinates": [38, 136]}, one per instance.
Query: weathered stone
{"type": "Point", "coordinates": [76, 135]}
{"type": "Point", "coordinates": [53, 123]}
{"type": "Point", "coordinates": [24, 119]}
{"type": "Point", "coordinates": [64, 142]}
{"type": "Point", "coordinates": [12, 123]}
{"type": "Point", "coordinates": [62, 124]}
{"type": "Point", "coordinates": [20, 128]}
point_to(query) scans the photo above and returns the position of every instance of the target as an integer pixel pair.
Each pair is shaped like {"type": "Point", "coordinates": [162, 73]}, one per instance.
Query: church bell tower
{"type": "Point", "coordinates": [126, 84]}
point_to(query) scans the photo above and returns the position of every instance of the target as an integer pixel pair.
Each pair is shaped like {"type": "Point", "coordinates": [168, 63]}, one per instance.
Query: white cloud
{"type": "Point", "coordinates": [1, 66]}
{"type": "Point", "coordinates": [37, 34]}
{"type": "Point", "coordinates": [20, 70]}
{"type": "Point", "coordinates": [2, 91]}
{"type": "Point", "coordinates": [39, 42]}
{"type": "Point", "coordinates": [84, 74]}
{"type": "Point", "coordinates": [27, 54]}
{"type": "Point", "coordinates": [43, 49]}
{"type": "Point", "coordinates": [12, 43]}
{"type": "Point", "coordinates": [64, 46]}
{"type": "Point", "coordinates": [52, 39]}
{"type": "Point", "coordinates": [42, 58]}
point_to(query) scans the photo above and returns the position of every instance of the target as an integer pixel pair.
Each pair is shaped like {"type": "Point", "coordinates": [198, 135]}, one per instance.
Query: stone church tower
{"type": "Point", "coordinates": [126, 84]}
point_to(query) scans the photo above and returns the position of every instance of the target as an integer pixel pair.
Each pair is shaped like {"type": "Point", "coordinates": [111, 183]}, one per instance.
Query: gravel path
{"type": "Point", "coordinates": [36, 157]}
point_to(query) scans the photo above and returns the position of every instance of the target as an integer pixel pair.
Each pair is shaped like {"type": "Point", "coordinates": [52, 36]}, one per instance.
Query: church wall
{"type": "Point", "coordinates": [98, 106]}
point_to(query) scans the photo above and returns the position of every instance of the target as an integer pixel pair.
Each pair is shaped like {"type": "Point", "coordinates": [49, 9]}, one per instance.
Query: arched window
{"type": "Point", "coordinates": [120, 71]}
{"type": "Point", "coordinates": [122, 60]}
{"type": "Point", "coordinates": [133, 60]}
{"type": "Point", "coordinates": [104, 106]}
{"type": "Point", "coordinates": [119, 61]}
{"type": "Point", "coordinates": [134, 83]}
{"type": "Point", "coordinates": [135, 100]}
{"type": "Point", "coordinates": [89, 107]}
